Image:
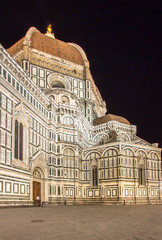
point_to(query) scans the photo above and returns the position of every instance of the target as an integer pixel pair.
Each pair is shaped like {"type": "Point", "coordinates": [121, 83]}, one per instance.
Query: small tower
{"type": "Point", "coordinates": [49, 31]}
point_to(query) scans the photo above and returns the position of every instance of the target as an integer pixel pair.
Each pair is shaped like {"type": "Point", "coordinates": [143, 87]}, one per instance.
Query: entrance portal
{"type": "Point", "coordinates": [39, 182]}
{"type": "Point", "coordinates": [37, 192]}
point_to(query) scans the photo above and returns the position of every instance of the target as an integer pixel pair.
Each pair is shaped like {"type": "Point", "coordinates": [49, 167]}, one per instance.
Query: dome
{"type": "Point", "coordinates": [18, 46]}
{"type": "Point", "coordinates": [108, 118]}
{"type": "Point", "coordinates": [41, 42]}
{"type": "Point", "coordinates": [55, 47]}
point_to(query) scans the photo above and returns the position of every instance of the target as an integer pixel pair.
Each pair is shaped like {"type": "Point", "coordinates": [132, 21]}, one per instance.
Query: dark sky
{"type": "Point", "coordinates": [121, 40]}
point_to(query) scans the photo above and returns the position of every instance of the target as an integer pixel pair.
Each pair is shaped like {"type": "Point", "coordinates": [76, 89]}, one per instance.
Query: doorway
{"type": "Point", "coordinates": [37, 193]}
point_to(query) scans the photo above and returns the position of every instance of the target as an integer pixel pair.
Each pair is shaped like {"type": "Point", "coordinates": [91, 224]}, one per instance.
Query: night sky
{"type": "Point", "coordinates": [121, 40]}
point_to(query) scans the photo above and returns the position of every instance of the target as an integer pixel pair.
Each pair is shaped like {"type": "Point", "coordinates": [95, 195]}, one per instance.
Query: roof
{"type": "Point", "coordinates": [16, 47]}
{"type": "Point", "coordinates": [48, 45]}
{"type": "Point", "coordinates": [108, 118]}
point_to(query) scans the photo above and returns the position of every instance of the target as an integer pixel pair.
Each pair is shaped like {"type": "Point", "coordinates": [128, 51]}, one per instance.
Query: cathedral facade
{"type": "Point", "coordinates": [57, 146]}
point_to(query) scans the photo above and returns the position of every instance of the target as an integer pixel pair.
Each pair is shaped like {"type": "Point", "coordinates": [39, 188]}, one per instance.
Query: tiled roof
{"type": "Point", "coordinates": [51, 46]}
{"type": "Point", "coordinates": [16, 47]}
{"type": "Point", "coordinates": [108, 118]}
{"type": "Point", "coordinates": [56, 47]}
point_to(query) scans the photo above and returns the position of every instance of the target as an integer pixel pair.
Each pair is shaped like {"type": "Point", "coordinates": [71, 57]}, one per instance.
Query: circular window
{"type": "Point", "coordinates": [65, 99]}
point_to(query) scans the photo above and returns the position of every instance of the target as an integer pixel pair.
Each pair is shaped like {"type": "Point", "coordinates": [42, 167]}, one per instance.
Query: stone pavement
{"type": "Point", "coordinates": [82, 222]}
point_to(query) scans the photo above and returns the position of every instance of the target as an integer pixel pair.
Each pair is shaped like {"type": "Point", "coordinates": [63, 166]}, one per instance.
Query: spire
{"type": "Point", "coordinates": [49, 31]}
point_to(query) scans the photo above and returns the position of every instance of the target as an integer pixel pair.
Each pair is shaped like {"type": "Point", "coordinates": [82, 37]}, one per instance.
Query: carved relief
{"type": "Point", "coordinates": [37, 173]}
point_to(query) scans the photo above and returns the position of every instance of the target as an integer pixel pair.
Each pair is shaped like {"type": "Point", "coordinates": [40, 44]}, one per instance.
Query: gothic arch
{"type": "Point", "coordinates": [20, 114]}
{"type": "Point", "coordinates": [141, 157]}
{"type": "Point", "coordinates": [38, 162]}
{"type": "Point", "coordinates": [38, 172]}
{"type": "Point", "coordinates": [20, 129]}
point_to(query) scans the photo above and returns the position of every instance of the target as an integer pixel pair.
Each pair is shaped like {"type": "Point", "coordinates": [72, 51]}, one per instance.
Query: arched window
{"type": "Point", "coordinates": [141, 175]}
{"type": "Point", "coordinates": [101, 142]}
{"type": "Point", "coordinates": [94, 177]}
{"type": "Point", "coordinates": [58, 161]}
{"type": "Point", "coordinates": [21, 142]}
{"type": "Point", "coordinates": [58, 172]}
{"type": "Point", "coordinates": [58, 190]}
{"type": "Point", "coordinates": [18, 140]}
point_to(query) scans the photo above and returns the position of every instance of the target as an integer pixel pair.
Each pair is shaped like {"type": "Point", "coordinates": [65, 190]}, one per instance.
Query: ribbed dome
{"type": "Point", "coordinates": [108, 118]}
{"type": "Point", "coordinates": [48, 45]}
{"type": "Point", "coordinates": [55, 47]}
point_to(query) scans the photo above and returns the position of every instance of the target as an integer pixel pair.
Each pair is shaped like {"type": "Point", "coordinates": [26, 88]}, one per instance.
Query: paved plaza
{"type": "Point", "coordinates": [82, 222]}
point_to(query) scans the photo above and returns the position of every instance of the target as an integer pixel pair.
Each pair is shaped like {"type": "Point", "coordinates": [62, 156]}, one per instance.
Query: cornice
{"type": "Point", "coordinates": [19, 74]}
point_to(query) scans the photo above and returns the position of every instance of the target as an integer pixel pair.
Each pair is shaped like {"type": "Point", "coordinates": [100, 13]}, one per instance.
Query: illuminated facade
{"type": "Point", "coordinates": [56, 143]}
